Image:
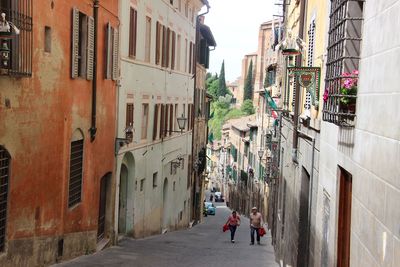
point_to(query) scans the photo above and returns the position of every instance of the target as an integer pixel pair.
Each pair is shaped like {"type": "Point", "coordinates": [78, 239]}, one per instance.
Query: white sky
{"type": "Point", "coordinates": [235, 25]}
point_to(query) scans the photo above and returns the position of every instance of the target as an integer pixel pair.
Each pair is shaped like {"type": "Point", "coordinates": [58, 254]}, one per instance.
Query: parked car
{"type": "Point", "coordinates": [210, 208]}
{"type": "Point", "coordinates": [219, 197]}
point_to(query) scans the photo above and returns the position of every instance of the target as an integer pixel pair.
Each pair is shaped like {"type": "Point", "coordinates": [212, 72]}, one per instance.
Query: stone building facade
{"type": "Point", "coordinates": [157, 87]}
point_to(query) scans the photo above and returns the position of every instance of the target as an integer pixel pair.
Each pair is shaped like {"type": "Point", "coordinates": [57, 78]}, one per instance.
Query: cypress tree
{"type": "Point", "coordinates": [222, 90]}
{"type": "Point", "coordinates": [248, 86]}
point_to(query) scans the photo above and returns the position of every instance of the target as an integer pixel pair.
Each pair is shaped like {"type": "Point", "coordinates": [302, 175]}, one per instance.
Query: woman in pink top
{"type": "Point", "coordinates": [233, 222]}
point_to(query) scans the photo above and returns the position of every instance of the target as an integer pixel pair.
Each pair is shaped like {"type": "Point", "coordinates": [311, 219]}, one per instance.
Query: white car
{"type": "Point", "coordinates": [218, 197]}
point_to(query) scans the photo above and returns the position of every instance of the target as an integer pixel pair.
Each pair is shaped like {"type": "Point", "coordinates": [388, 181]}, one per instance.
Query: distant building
{"type": "Point", "coordinates": [245, 69]}
{"type": "Point", "coordinates": [233, 87]}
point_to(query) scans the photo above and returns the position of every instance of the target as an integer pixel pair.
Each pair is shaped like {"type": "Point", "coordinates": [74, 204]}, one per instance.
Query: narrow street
{"type": "Point", "coordinates": [203, 245]}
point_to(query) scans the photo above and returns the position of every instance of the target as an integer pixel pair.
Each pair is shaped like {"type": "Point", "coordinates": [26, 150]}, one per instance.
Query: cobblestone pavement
{"type": "Point", "coordinates": [203, 245]}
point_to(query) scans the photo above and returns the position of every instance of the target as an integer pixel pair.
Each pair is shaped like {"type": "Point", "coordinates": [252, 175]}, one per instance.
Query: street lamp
{"type": "Point", "coordinates": [181, 122]}
{"type": "Point", "coordinates": [260, 154]}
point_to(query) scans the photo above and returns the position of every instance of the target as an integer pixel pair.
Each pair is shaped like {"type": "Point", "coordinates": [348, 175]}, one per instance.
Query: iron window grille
{"type": "Point", "coordinates": [4, 175]}
{"type": "Point", "coordinates": [75, 173]}
{"type": "Point", "coordinates": [345, 38]}
{"type": "Point", "coordinates": [21, 46]}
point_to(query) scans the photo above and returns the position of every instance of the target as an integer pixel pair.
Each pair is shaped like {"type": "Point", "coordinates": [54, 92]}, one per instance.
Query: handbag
{"type": "Point", "coordinates": [261, 231]}
{"type": "Point", "coordinates": [225, 228]}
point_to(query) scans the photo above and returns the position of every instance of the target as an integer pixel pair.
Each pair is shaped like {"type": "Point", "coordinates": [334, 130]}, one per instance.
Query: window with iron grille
{"type": "Point", "coordinates": [310, 63]}
{"type": "Point", "coordinates": [345, 36]}
{"type": "Point", "coordinates": [75, 173]}
{"type": "Point", "coordinates": [4, 173]}
{"type": "Point", "coordinates": [18, 14]}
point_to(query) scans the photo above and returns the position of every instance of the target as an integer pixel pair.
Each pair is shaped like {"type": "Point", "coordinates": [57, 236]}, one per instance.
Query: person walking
{"type": "Point", "coordinates": [256, 222]}
{"type": "Point", "coordinates": [233, 222]}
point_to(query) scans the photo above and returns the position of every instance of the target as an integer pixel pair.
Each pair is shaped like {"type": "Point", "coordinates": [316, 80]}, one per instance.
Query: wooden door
{"type": "Point", "coordinates": [344, 223]}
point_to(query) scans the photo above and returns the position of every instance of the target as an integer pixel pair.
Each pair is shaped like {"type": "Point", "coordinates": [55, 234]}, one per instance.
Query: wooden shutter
{"type": "Point", "coordinates": [115, 58]}
{"type": "Point", "coordinates": [190, 57]}
{"type": "Point", "coordinates": [75, 43]}
{"type": "Point", "coordinates": [90, 49]}
{"type": "Point", "coordinates": [132, 33]}
{"type": "Point", "coordinates": [158, 43]}
{"type": "Point", "coordinates": [161, 135]}
{"type": "Point", "coordinates": [193, 59]}
{"type": "Point", "coordinates": [166, 119]}
{"type": "Point", "coordinates": [155, 122]}
{"type": "Point", "coordinates": [173, 50]}
{"type": "Point", "coordinates": [164, 48]}
{"type": "Point", "coordinates": [109, 48]}
{"type": "Point", "coordinates": [171, 118]}
{"type": "Point", "coordinates": [168, 48]}
{"type": "Point", "coordinates": [129, 114]}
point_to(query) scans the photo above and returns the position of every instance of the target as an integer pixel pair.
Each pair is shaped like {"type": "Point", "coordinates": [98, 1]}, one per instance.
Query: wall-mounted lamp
{"type": "Point", "coordinates": [120, 142]}
{"type": "Point", "coordinates": [181, 124]}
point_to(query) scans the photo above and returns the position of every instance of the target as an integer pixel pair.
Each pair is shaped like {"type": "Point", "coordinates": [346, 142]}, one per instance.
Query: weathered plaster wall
{"type": "Point", "coordinates": [45, 110]}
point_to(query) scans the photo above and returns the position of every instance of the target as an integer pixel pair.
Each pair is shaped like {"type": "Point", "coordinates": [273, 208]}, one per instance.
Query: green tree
{"type": "Point", "coordinates": [222, 90]}
{"type": "Point", "coordinates": [248, 86]}
{"type": "Point", "coordinates": [247, 107]}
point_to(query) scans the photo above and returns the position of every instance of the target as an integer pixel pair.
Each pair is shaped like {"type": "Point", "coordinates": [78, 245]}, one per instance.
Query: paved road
{"type": "Point", "coordinates": [203, 245]}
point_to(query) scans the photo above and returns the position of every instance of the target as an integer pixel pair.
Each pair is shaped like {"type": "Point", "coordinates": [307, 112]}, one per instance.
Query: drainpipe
{"type": "Point", "coordinates": [312, 139]}
{"type": "Point", "coordinates": [93, 128]}
{"type": "Point", "coordinates": [297, 98]}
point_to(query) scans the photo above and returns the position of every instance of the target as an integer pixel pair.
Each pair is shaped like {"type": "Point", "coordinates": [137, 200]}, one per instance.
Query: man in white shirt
{"type": "Point", "coordinates": [256, 222]}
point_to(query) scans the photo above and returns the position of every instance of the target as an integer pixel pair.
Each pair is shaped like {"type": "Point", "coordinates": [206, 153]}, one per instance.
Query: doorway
{"type": "Point", "coordinates": [344, 218]}
{"type": "Point", "coordinates": [123, 196]}
{"type": "Point", "coordinates": [165, 205]}
{"type": "Point", "coordinates": [104, 191]}
{"type": "Point", "coordinates": [303, 219]}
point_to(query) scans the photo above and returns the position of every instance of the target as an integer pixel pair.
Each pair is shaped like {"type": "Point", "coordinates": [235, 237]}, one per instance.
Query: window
{"type": "Point", "coordinates": [189, 175]}
{"type": "Point", "coordinates": [129, 114]}
{"type": "Point", "coordinates": [148, 39]}
{"type": "Point", "coordinates": [173, 50]}
{"type": "Point", "coordinates": [4, 180]}
{"type": "Point", "coordinates": [171, 2]}
{"type": "Point", "coordinates": [112, 53]}
{"type": "Point", "coordinates": [186, 54]}
{"type": "Point", "coordinates": [158, 42]}
{"type": "Point", "coordinates": [47, 39]}
{"type": "Point", "coordinates": [190, 57]}
{"type": "Point", "coordinates": [75, 173]}
{"type": "Point", "coordinates": [345, 36]}
{"type": "Point", "coordinates": [164, 60]}
{"type": "Point", "coordinates": [155, 179]}
{"type": "Point", "coordinates": [176, 126]}
{"type": "Point", "coordinates": [186, 8]}
{"type": "Point", "coordinates": [155, 121]}
{"type": "Point", "coordinates": [162, 119]}
{"type": "Point", "coordinates": [145, 120]}
{"type": "Point", "coordinates": [132, 33]}
{"type": "Point", "coordinates": [168, 48]}
{"type": "Point", "coordinates": [180, 5]}
{"type": "Point", "coordinates": [82, 45]}
{"type": "Point", "coordinates": [173, 185]}
{"type": "Point", "coordinates": [171, 118]}
{"type": "Point", "coordinates": [178, 53]}
{"type": "Point", "coordinates": [20, 15]}
{"type": "Point", "coordinates": [142, 185]}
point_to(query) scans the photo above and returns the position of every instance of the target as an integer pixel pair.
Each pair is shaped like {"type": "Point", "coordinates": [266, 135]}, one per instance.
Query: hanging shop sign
{"type": "Point", "coordinates": [309, 78]}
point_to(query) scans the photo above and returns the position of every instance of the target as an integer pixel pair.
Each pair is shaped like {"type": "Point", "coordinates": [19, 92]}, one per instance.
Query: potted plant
{"type": "Point", "coordinates": [348, 91]}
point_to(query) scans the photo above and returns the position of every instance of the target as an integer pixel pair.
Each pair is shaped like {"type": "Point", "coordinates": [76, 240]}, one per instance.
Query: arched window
{"type": "Point", "coordinates": [4, 174]}
{"type": "Point", "coordinates": [75, 169]}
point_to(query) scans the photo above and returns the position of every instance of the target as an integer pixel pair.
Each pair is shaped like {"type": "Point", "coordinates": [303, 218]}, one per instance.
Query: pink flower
{"type": "Point", "coordinates": [326, 95]}
{"type": "Point", "coordinates": [355, 72]}
{"type": "Point", "coordinates": [346, 74]}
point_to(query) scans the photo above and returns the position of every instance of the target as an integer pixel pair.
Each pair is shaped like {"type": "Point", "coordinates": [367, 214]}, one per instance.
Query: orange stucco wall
{"type": "Point", "coordinates": [37, 128]}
